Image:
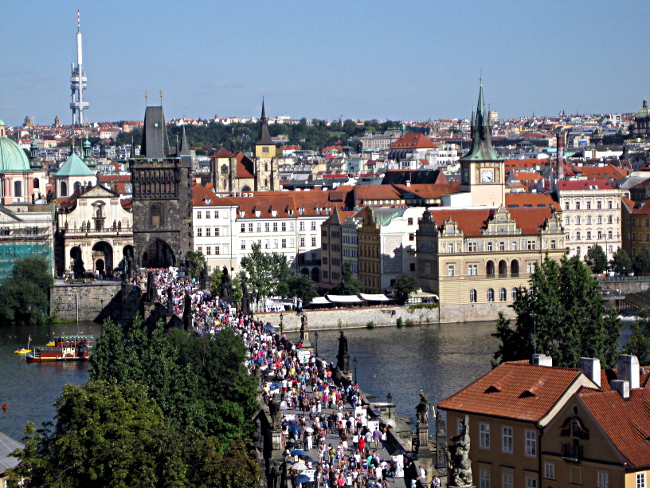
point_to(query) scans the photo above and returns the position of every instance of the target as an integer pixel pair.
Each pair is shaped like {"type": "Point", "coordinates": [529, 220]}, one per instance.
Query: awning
{"type": "Point", "coordinates": [320, 301]}
{"type": "Point", "coordinates": [344, 298]}
{"type": "Point", "coordinates": [374, 297]}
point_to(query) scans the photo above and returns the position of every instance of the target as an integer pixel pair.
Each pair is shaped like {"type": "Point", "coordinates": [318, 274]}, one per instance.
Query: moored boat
{"type": "Point", "coordinates": [66, 348]}
{"type": "Point", "coordinates": [24, 350]}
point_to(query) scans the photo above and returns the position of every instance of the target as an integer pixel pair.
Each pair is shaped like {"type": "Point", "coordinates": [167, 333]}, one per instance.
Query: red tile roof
{"type": "Point", "coordinates": [584, 185]}
{"type": "Point", "coordinates": [514, 390]}
{"type": "Point", "coordinates": [625, 421]}
{"type": "Point", "coordinates": [597, 172]}
{"type": "Point", "coordinates": [222, 153]}
{"type": "Point", "coordinates": [413, 141]}
{"type": "Point", "coordinates": [536, 200]}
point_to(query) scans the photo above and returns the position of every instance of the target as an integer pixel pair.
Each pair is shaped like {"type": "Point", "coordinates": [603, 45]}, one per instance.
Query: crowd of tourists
{"type": "Point", "coordinates": [321, 416]}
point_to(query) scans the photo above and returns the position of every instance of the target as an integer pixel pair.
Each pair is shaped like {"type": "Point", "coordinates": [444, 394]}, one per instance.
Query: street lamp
{"type": "Point", "coordinates": [355, 370]}
{"type": "Point", "coordinates": [389, 398]}
{"type": "Point", "coordinates": [316, 344]}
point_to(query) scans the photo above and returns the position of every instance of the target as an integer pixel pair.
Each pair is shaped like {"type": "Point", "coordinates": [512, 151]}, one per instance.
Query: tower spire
{"type": "Point", "coordinates": [264, 137]}
{"type": "Point", "coordinates": [78, 81]}
{"type": "Point", "coordinates": [481, 149]}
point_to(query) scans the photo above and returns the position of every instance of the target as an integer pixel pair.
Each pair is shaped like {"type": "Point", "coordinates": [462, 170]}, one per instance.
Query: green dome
{"type": "Point", "coordinates": [644, 112]}
{"type": "Point", "coordinates": [12, 158]}
{"type": "Point", "coordinates": [2, 122]}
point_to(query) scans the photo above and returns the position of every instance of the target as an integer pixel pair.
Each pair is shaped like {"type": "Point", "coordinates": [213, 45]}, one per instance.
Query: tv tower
{"type": "Point", "coordinates": [78, 83]}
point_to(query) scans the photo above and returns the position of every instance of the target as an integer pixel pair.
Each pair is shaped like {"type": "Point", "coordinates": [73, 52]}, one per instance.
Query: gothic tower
{"type": "Point", "coordinates": [482, 171]}
{"type": "Point", "coordinates": [266, 164]}
{"type": "Point", "coordinates": [162, 197]}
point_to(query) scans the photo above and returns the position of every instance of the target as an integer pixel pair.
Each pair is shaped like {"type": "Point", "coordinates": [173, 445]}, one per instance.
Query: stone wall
{"type": "Point", "coordinates": [384, 316]}
{"type": "Point", "coordinates": [89, 300]}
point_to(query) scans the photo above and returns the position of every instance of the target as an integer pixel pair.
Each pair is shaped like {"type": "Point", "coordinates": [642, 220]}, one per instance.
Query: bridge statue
{"type": "Point", "coordinates": [460, 467]}
{"type": "Point", "coordinates": [343, 357]}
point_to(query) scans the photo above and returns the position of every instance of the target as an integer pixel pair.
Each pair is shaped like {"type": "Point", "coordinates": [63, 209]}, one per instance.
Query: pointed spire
{"type": "Point", "coordinates": [264, 137]}
{"type": "Point", "coordinates": [481, 149]}
{"type": "Point", "coordinates": [184, 149]}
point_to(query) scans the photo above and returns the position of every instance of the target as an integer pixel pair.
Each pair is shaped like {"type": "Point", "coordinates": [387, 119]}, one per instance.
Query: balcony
{"type": "Point", "coordinates": [572, 452]}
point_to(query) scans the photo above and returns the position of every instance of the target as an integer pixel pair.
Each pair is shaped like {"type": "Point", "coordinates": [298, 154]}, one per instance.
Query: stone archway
{"type": "Point", "coordinates": [315, 275]}
{"type": "Point", "coordinates": [76, 261]}
{"type": "Point", "coordinates": [102, 254]}
{"type": "Point", "coordinates": [157, 254]}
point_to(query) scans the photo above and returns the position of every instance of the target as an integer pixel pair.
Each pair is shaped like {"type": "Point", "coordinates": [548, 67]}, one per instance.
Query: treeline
{"type": "Point", "coordinates": [207, 139]}
{"type": "Point", "coordinates": [161, 408]}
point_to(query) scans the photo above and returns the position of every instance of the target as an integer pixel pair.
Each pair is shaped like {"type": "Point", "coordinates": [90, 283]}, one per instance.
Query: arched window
{"type": "Point", "coordinates": [588, 219]}
{"type": "Point", "coordinates": [599, 219]}
{"type": "Point", "coordinates": [489, 269]}
{"type": "Point", "coordinates": [64, 189]}
{"type": "Point", "coordinates": [503, 293]}
{"type": "Point", "coordinates": [578, 220]}
{"type": "Point", "coordinates": [490, 295]}
{"type": "Point", "coordinates": [515, 292]}
{"type": "Point", "coordinates": [77, 186]}
{"type": "Point", "coordinates": [37, 184]}
{"type": "Point", "coordinates": [472, 296]}
{"type": "Point", "coordinates": [514, 268]}
{"type": "Point", "coordinates": [610, 219]}
{"type": "Point", "coordinates": [503, 269]}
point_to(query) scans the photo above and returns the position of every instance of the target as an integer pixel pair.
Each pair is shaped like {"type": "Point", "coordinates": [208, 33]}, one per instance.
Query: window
{"type": "Point", "coordinates": [198, 214]}
{"type": "Point", "coordinates": [514, 294]}
{"type": "Point", "coordinates": [566, 206]}
{"type": "Point", "coordinates": [472, 296]}
{"type": "Point", "coordinates": [599, 204]}
{"type": "Point", "coordinates": [207, 231]}
{"type": "Point", "coordinates": [291, 226]}
{"type": "Point", "coordinates": [503, 294]}
{"type": "Point", "coordinates": [472, 247]}
{"type": "Point", "coordinates": [490, 295]}
{"type": "Point", "coordinates": [531, 443]}
{"type": "Point", "coordinates": [600, 236]}
{"type": "Point", "coordinates": [489, 246]}
{"type": "Point", "coordinates": [266, 227]}
{"type": "Point", "coordinates": [530, 267]}
{"type": "Point", "coordinates": [567, 221]}
{"type": "Point", "coordinates": [588, 219]}
{"type": "Point", "coordinates": [217, 250]}
{"type": "Point", "coordinates": [313, 225]}
{"type": "Point", "coordinates": [484, 478]}
{"type": "Point", "coordinates": [484, 435]}
{"type": "Point", "coordinates": [610, 234]}
{"type": "Point", "coordinates": [208, 251]}
{"type": "Point", "coordinates": [284, 226]}
{"type": "Point", "coordinates": [258, 228]}
{"type": "Point", "coordinates": [599, 219]}
{"type": "Point", "coordinates": [588, 235]}
{"type": "Point", "coordinates": [301, 226]}
{"type": "Point", "coordinates": [199, 249]}
{"type": "Point", "coordinates": [502, 246]}
{"type": "Point", "coordinates": [506, 438]}
{"type": "Point", "coordinates": [472, 269]}
{"type": "Point", "coordinates": [610, 219]}
{"type": "Point", "coordinates": [577, 205]}
{"type": "Point", "coordinates": [609, 204]}
{"type": "Point", "coordinates": [578, 237]}
{"type": "Point", "coordinates": [640, 480]}
{"type": "Point", "coordinates": [242, 244]}
{"type": "Point", "coordinates": [603, 479]}
{"type": "Point", "coordinates": [275, 243]}
{"type": "Point", "coordinates": [506, 480]}
{"type": "Point", "coordinates": [199, 232]}
{"type": "Point", "coordinates": [292, 242]}
{"type": "Point", "coordinates": [275, 226]}
{"type": "Point", "coordinates": [513, 246]}
{"type": "Point", "coordinates": [531, 482]}
{"type": "Point", "coordinates": [216, 214]}
{"type": "Point", "coordinates": [265, 149]}
{"type": "Point", "coordinates": [553, 244]}
{"type": "Point", "coordinates": [451, 270]}
{"type": "Point", "coordinates": [250, 227]}
{"type": "Point", "coordinates": [411, 237]}
{"type": "Point", "coordinates": [302, 243]}
{"type": "Point", "coordinates": [588, 205]}
{"type": "Point", "coordinates": [549, 471]}
{"type": "Point", "coordinates": [216, 231]}
{"type": "Point", "coordinates": [313, 241]}
{"type": "Point", "coordinates": [450, 247]}
{"type": "Point", "coordinates": [409, 221]}
{"type": "Point", "coordinates": [530, 245]}
{"type": "Point", "coordinates": [284, 243]}
{"type": "Point", "coordinates": [242, 228]}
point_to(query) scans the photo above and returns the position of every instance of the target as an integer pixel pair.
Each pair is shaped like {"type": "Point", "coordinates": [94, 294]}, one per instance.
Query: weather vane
{"type": "Point", "coordinates": [146, 97]}
{"type": "Point", "coordinates": [161, 97]}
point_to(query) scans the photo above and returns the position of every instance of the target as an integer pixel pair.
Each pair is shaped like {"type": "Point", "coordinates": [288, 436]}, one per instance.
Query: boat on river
{"type": "Point", "coordinates": [65, 348]}
{"type": "Point", "coordinates": [24, 350]}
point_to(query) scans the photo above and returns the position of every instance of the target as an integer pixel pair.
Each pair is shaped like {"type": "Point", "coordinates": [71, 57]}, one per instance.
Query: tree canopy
{"type": "Point", "coordinates": [561, 314]}
{"type": "Point", "coordinates": [197, 263]}
{"type": "Point", "coordinates": [25, 295]}
{"type": "Point", "coordinates": [404, 286]}
{"type": "Point", "coordinates": [303, 287]}
{"type": "Point", "coordinates": [621, 261]}
{"type": "Point", "coordinates": [596, 259]}
{"type": "Point", "coordinates": [350, 284]}
{"type": "Point", "coordinates": [265, 274]}
{"type": "Point", "coordinates": [642, 261]}
{"type": "Point", "coordinates": [639, 344]}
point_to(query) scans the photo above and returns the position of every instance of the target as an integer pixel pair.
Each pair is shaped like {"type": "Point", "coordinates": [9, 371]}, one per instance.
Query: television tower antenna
{"type": "Point", "coordinates": [78, 81]}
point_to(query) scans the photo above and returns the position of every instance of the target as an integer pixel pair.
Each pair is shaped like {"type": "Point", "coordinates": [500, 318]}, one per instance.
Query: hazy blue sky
{"type": "Point", "coordinates": [380, 59]}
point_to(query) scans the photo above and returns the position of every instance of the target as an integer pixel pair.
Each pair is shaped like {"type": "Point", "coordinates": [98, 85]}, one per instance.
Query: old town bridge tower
{"type": "Point", "coordinates": [162, 197]}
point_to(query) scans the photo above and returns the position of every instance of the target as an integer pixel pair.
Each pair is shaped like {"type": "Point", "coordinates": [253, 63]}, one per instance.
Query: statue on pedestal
{"type": "Point", "coordinates": [275, 412]}
{"type": "Point", "coordinates": [460, 467]}
{"type": "Point", "coordinates": [226, 285]}
{"type": "Point", "coordinates": [150, 286]}
{"type": "Point", "coordinates": [422, 410]}
{"type": "Point", "coordinates": [343, 357]}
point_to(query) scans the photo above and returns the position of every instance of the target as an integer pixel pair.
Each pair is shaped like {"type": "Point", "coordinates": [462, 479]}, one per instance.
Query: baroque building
{"type": "Point", "coordinates": [162, 196]}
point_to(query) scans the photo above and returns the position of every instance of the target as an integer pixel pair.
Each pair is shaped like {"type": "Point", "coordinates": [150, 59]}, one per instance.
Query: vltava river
{"type": "Point", "coordinates": [438, 360]}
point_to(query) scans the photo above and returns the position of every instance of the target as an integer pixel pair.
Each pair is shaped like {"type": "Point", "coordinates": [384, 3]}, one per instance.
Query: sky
{"type": "Point", "coordinates": [397, 60]}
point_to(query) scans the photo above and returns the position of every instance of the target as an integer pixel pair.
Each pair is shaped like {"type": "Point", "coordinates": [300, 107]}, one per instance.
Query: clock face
{"type": "Point", "coordinates": [487, 176]}
{"type": "Point", "coordinates": [224, 169]}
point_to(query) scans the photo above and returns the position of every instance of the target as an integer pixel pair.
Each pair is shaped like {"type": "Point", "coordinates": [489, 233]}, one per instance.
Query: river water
{"type": "Point", "coordinates": [436, 359]}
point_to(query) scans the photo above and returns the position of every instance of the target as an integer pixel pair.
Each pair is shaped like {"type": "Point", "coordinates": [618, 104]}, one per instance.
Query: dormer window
{"type": "Point", "coordinates": [242, 213]}
{"type": "Point", "coordinates": [301, 211]}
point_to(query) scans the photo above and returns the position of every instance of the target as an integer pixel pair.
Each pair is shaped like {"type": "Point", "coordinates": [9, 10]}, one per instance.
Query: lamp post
{"type": "Point", "coordinates": [316, 344]}
{"type": "Point", "coordinates": [389, 400]}
{"type": "Point", "coordinates": [281, 317]}
{"type": "Point", "coordinates": [355, 370]}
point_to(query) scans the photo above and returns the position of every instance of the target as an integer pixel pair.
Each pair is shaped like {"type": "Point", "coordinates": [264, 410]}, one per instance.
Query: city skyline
{"type": "Point", "coordinates": [399, 61]}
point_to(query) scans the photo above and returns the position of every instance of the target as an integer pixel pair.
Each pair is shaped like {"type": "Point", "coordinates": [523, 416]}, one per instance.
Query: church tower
{"type": "Point", "coordinates": [162, 197]}
{"type": "Point", "coordinates": [266, 165]}
{"type": "Point", "coordinates": [482, 171]}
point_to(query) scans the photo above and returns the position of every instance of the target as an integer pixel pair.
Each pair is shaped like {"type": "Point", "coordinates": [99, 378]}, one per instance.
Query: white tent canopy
{"type": "Point", "coordinates": [343, 298]}
{"type": "Point", "coordinates": [374, 297]}
{"type": "Point", "coordinates": [320, 301]}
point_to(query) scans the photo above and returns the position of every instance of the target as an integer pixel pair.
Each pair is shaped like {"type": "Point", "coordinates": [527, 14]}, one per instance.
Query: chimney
{"type": "Point", "coordinates": [621, 386]}
{"type": "Point", "coordinates": [591, 368]}
{"type": "Point", "coordinates": [627, 368]}
{"type": "Point", "coordinates": [542, 360]}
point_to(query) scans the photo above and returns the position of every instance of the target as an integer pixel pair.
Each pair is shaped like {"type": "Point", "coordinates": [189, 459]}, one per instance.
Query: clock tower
{"type": "Point", "coordinates": [482, 172]}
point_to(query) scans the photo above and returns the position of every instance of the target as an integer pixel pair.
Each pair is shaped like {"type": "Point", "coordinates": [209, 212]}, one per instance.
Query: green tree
{"type": "Point", "coordinates": [561, 314]}
{"type": "Point", "coordinates": [642, 261]}
{"type": "Point", "coordinates": [25, 295]}
{"type": "Point", "coordinates": [596, 259]}
{"type": "Point", "coordinates": [265, 274]}
{"type": "Point", "coordinates": [639, 344]}
{"type": "Point", "coordinates": [404, 286]}
{"type": "Point", "coordinates": [303, 287]}
{"type": "Point", "coordinates": [621, 262]}
{"type": "Point", "coordinates": [350, 284]}
{"type": "Point", "coordinates": [197, 263]}
{"type": "Point", "coordinates": [215, 281]}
